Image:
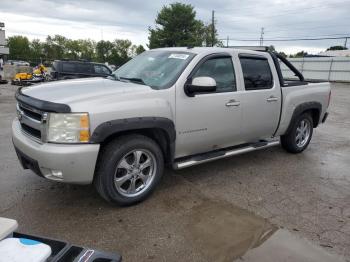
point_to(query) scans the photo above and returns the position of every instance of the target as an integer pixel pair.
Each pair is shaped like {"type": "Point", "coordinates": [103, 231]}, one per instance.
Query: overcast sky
{"type": "Point", "coordinates": [238, 19]}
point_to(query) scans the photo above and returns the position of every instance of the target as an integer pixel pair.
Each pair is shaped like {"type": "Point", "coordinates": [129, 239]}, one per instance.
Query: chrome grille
{"type": "Point", "coordinates": [31, 121]}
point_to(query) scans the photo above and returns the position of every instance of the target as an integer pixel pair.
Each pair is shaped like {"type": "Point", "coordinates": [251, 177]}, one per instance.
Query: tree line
{"type": "Point", "coordinates": [59, 47]}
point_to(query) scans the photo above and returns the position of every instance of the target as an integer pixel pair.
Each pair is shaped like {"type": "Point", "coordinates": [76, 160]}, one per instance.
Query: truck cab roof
{"type": "Point", "coordinates": [208, 50]}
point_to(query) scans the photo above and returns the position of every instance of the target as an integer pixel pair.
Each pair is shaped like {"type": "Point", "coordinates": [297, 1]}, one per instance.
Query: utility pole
{"type": "Point", "coordinates": [212, 28]}
{"type": "Point", "coordinates": [346, 41]}
{"type": "Point", "coordinates": [227, 40]}
{"type": "Point", "coordinates": [262, 37]}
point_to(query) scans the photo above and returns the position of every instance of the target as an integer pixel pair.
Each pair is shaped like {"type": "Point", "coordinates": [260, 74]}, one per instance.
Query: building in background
{"type": "Point", "coordinates": [3, 49]}
{"type": "Point", "coordinates": [343, 53]}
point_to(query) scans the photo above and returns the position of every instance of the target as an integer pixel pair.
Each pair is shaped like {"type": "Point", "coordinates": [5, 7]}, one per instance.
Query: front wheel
{"type": "Point", "coordinates": [129, 169]}
{"type": "Point", "coordinates": [298, 137]}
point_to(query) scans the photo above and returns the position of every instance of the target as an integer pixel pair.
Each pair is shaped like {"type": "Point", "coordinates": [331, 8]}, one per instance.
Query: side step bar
{"type": "Point", "coordinates": [211, 156]}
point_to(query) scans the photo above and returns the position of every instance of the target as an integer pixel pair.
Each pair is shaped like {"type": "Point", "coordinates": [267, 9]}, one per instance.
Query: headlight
{"type": "Point", "coordinates": [68, 128]}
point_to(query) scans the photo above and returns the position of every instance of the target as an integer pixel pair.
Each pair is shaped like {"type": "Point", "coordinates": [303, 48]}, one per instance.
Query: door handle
{"type": "Point", "coordinates": [272, 99]}
{"type": "Point", "coordinates": [233, 103]}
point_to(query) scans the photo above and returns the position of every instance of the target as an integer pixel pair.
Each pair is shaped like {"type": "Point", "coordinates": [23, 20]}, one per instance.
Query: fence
{"type": "Point", "coordinates": [335, 69]}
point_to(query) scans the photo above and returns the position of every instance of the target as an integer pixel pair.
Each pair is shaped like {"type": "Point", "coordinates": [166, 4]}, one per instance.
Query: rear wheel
{"type": "Point", "coordinates": [299, 136]}
{"type": "Point", "coordinates": [129, 169]}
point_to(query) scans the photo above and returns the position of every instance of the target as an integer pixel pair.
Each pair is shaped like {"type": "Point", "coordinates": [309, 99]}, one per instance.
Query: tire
{"type": "Point", "coordinates": [128, 169]}
{"type": "Point", "coordinates": [293, 144]}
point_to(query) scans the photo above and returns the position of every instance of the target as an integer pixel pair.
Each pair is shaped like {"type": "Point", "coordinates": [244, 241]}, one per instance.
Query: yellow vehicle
{"type": "Point", "coordinates": [39, 74]}
{"type": "Point", "coordinates": [23, 76]}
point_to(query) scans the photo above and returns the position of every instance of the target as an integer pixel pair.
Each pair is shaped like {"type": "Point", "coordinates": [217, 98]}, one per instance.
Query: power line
{"type": "Point", "coordinates": [290, 39]}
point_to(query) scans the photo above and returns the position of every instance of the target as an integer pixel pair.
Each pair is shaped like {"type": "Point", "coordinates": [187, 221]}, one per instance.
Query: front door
{"type": "Point", "coordinates": [209, 121]}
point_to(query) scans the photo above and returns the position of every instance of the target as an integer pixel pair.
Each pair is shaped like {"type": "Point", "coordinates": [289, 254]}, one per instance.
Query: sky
{"type": "Point", "coordinates": [236, 19]}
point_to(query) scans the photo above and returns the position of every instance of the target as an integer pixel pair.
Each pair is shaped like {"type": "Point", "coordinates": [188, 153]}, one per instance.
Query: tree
{"type": "Point", "coordinates": [19, 47]}
{"type": "Point", "coordinates": [55, 47]}
{"type": "Point", "coordinates": [139, 49]}
{"type": "Point", "coordinates": [59, 47]}
{"type": "Point", "coordinates": [36, 49]}
{"type": "Point", "coordinates": [87, 49]}
{"type": "Point", "coordinates": [104, 51]}
{"type": "Point", "coordinates": [299, 54]}
{"type": "Point", "coordinates": [207, 36]}
{"type": "Point", "coordinates": [176, 25]}
{"type": "Point", "coordinates": [337, 47]}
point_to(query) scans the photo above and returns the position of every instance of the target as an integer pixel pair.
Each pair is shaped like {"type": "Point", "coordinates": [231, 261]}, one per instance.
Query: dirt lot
{"type": "Point", "coordinates": [212, 212]}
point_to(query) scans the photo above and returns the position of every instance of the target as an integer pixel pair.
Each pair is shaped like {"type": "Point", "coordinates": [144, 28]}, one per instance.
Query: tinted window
{"type": "Point", "coordinates": [68, 67]}
{"type": "Point", "coordinates": [84, 68]}
{"type": "Point", "coordinates": [221, 69]}
{"type": "Point", "coordinates": [102, 70]}
{"type": "Point", "coordinates": [257, 73]}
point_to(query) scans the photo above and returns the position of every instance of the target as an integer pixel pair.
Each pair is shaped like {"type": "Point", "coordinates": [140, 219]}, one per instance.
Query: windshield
{"type": "Point", "coordinates": [157, 69]}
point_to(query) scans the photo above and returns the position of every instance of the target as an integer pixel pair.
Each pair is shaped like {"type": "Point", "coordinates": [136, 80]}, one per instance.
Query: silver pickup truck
{"type": "Point", "coordinates": [171, 106]}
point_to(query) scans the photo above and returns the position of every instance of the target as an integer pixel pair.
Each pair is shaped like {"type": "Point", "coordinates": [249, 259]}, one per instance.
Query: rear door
{"type": "Point", "coordinates": [261, 96]}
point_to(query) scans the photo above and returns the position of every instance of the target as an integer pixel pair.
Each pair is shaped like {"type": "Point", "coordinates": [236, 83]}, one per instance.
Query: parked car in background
{"type": "Point", "coordinates": [17, 62]}
{"type": "Point", "coordinates": [69, 69]}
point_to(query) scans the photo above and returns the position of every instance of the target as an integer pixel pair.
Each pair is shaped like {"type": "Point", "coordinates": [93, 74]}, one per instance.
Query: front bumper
{"type": "Point", "coordinates": [76, 163]}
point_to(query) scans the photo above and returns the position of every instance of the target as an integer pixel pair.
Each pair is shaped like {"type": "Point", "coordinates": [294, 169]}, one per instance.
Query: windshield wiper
{"type": "Point", "coordinates": [134, 80]}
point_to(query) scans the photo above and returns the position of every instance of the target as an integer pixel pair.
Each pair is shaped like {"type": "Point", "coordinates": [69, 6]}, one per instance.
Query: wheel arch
{"type": "Point", "coordinates": [315, 109]}
{"type": "Point", "coordinates": [161, 130]}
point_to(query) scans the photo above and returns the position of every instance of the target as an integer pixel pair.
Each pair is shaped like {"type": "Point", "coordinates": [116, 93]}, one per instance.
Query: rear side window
{"type": "Point", "coordinates": [68, 67]}
{"type": "Point", "coordinates": [256, 72]}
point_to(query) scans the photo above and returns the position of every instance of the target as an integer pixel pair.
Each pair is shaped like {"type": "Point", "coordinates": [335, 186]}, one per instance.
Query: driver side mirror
{"type": "Point", "coordinates": [201, 84]}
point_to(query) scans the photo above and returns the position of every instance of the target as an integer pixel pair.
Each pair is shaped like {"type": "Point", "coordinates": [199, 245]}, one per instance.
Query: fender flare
{"type": "Point", "coordinates": [106, 129]}
{"type": "Point", "coordinates": [302, 108]}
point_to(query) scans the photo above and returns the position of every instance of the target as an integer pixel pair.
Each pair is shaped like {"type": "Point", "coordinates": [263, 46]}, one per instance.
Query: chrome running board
{"type": "Point", "coordinates": [211, 156]}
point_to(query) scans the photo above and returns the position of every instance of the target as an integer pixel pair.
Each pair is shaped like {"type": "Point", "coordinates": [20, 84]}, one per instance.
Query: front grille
{"type": "Point", "coordinates": [31, 131]}
{"type": "Point", "coordinates": [31, 120]}
{"type": "Point", "coordinates": [31, 114]}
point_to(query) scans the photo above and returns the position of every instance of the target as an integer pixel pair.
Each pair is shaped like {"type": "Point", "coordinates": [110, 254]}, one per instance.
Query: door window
{"type": "Point", "coordinates": [256, 72]}
{"type": "Point", "coordinates": [101, 70]}
{"type": "Point", "coordinates": [221, 69]}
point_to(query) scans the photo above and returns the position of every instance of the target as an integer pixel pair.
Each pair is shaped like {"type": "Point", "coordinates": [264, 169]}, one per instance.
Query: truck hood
{"type": "Point", "coordinates": [74, 91]}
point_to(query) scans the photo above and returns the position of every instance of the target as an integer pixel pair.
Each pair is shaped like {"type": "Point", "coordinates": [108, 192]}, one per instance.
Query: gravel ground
{"type": "Point", "coordinates": [215, 211]}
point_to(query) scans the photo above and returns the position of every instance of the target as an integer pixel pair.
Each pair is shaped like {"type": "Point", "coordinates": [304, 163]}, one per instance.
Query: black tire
{"type": "Point", "coordinates": [289, 141]}
{"type": "Point", "coordinates": [112, 154]}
